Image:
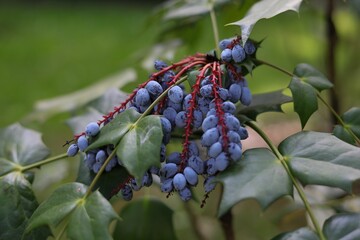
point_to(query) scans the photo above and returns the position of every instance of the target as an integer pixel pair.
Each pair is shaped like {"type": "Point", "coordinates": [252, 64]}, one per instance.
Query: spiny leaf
{"type": "Point", "coordinates": [19, 147]}
{"type": "Point", "coordinates": [139, 149]}
{"type": "Point", "coordinates": [352, 120]}
{"type": "Point", "coordinates": [258, 175]}
{"type": "Point", "coordinates": [301, 233]}
{"type": "Point", "coordinates": [112, 132]}
{"type": "Point", "coordinates": [68, 201]}
{"type": "Point", "coordinates": [312, 76]}
{"type": "Point", "coordinates": [264, 9]}
{"type": "Point", "coordinates": [139, 221]}
{"type": "Point", "coordinates": [17, 204]}
{"type": "Point", "coordinates": [323, 159]}
{"type": "Point", "coordinates": [264, 102]}
{"type": "Point", "coordinates": [342, 226]}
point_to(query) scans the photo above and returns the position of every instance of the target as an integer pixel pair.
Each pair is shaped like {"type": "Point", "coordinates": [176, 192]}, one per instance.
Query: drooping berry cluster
{"type": "Point", "coordinates": [208, 108]}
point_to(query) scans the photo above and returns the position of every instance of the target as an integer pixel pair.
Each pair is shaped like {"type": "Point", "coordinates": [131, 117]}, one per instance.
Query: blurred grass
{"type": "Point", "coordinates": [50, 50]}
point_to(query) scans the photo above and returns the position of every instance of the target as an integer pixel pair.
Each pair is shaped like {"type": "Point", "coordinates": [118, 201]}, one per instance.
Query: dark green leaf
{"type": "Point", "coordinates": [139, 149]}
{"type": "Point", "coordinates": [342, 226]}
{"type": "Point", "coordinates": [89, 218]}
{"type": "Point", "coordinates": [264, 9]}
{"type": "Point", "coordinates": [312, 76]}
{"type": "Point", "coordinates": [108, 182]}
{"type": "Point", "coordinates": [145, 219]}
{"type": "Point", "coordinates": [264, 102]}
{"type": "Point", "coordinates": [258, 175]}
{"type": "Point", "coordinates": [323, 159]}
{"type": "Point", "coordinates": [352, 120]}
{"type": "Point", "coordinates": [305, 99]}
{"type": "Point", "coordinates": [301, 233]}
{"type": "Point", "coordinates": [19, 147]}
{"type": "Point", "coordinates": [17, 204]}
{"type": "Point", "coordinates": [112, 132]}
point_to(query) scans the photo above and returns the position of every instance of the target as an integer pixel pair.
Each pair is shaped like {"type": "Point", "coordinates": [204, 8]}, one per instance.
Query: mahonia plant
{"type": "Point", "coordinates": [217, 85]}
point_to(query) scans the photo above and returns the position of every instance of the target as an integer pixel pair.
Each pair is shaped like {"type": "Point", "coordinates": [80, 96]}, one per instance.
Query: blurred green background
{"type": "Point", "coordinates": [52, 48]}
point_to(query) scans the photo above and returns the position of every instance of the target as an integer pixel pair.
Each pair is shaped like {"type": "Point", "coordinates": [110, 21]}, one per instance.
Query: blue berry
{"type": "Point", "coordinates": [142, 97]}
{"type": "Point", "coordinates": [243, 133]}
{"type": "Point", "coordinates": [186, 102]}
{"type": "Point", "coordinates": [222, 162]}
{"type": "Point", "coordinates": [193, 149]}
{"type": "Point", "coordinates": [238, 53]}
{"type": "Point", "coordinates": [170, 114]}
{"type": "Point", "coordinates": [224, 43]}
{"type": "Point", "coordinates": [92, 129]}
{"type": "Point", "coordinates": [210, 166]}
{"type": "Point", "coordinates": [235, 151]}
{"type": "Point", "coordinates": [211, 112]}
{"type": "Point", "coordinates": [197, 164]}
{"type": "Point", "coordinates": [176, 94]}
{"type": "Point", "coordinates": [159, 65]}
{"type": "Point", "coordinates": [233, 137]}
{"type": "Point", "coordinates": [246, 96]}
{"type": "Point", "coordinates": [180, 119]}
{"type": "Point", "coordinates": [100, 156]}
{"type": "Point", "coordinates": [127, 193]}
{"type": "Point", "coordinates": [179, 181]}
{"type": "Point", "coordinates": [207, 90]}
{"type": "Point", "coordinates": [96, 167]}
{"type": "Point", "coordinates": [174, 157]}
{"type": "Point", "coordinates": [209, 184]}
{"type": "Point", "coordinates": [72, 150]}
{"type": "Point", "coordinates": [167, 185]}
{"type": "Point", "coordinates": [168, 170]}
{"type": "Point", "coordinates": [185, 194]}
{"type": "Point", "coordinates": [167, 77]}
{"type": "Point", "coordinates": [210, 137]}
{"type": "Point", "coordinates": [177, 106]}
{"type": "Point", "coordinates": [162, 152]}
{"type": "Point", "coordinates": [154, 88]}
{"type": "Point", "coordinates": [223, 93]}
{"type": "Point", "coordinates": [134, 185]}
{"type": "Point", "coordinates": [147, 180]}
{"type": "Point", "coordinates": [191, 176]}
{"type": "Point", "coordinates": [249, 47]}
{"type": "Point", "coordinates": [166, 125]}
{"type": "Point", "coordinates": [89, 159]}
{"type": "Point", "coordinates": [226, 55]}
{"type": "Point", "coordinates": [229, 107]}
{"type": "Point", "coordinates": [215, 150]}
{"type": "Point", "coordinates": [234, 92]}
{"type": "Point", "coordinates": [232, 123]}
{"type": "Point", "coordinates": [198, 119]}
{"type": "Point", "coordinates": [112, 163]}
{"type": "Point", "coordinates": [82, 143]}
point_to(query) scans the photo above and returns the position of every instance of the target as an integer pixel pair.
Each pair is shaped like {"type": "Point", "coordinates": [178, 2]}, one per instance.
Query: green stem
{"type": "Point", "coordinates": [296, 184]}
{"type": "Point", "coordinates": [214, 27]}
{"type": "Point", "coordinates": [62, 231]}
{"type": "Point", "coordinates": [46, 161]}
{"type": "Point", "coordinates": [341, 122]}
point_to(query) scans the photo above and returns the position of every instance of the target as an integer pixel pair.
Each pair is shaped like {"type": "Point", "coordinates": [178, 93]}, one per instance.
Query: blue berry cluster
{"type": "Point", "coordinates": [209, 108]}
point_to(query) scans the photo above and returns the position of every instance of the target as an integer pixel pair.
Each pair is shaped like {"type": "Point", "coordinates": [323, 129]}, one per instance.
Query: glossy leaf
{"type": "Point", "coordinates": [264, 102]}
{"type": "Point", "coordinates": [112, 132]}
{"type": "Point", "coordinates": [342, 226]}
{"type": "Point", "coordinates": [19, 147]}
{"type": "Point", "coordinates": [89, 218]}
{"type": "Point", "coordinates": [323, 159]}
{"type": "Point", "coordinates": [145, 219]}
{"type": "Point", "coordinates": [352, 120]}
{"type": "Point", "coordinates": [301, 233]}
{"type": "Point", "coordinates": [108, 182]}
{"type": "Point", "coordinates": [312, 76]}
{"type": "Point", "coordinates": [17, 204]}
{"type": "Point", "coordinates": [259, 175]}
{"type": "Point", "coordinates": [305, 99]}
{"type": "Point", "coordinates": [139, 149]}
{"type": "Point", "coordinates": [263, 10]}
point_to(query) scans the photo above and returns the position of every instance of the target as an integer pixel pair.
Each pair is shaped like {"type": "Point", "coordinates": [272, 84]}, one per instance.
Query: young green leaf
{"type": "Point", "coordinates": [68, 202]}
{"type": "Point", "coordinates": [139, 149]}
{"type": "Point", "coordinates": [112, 132]}
{"type": "Point", "coordinates": [17, 204]}
{"type": "Point", "coordinates": [312, 76]}
{"type": "Point", "coordinates": [139, 221]}
{"type": "Point", "coordinates": [264, 102]}
{"type": "Point", "coordinates": [258, 175]}
{"type": "Point", "coordinates": [305, 99]}
{"type": "Point", "coordinates": [342, 226]}
{"type": "Point", "coordinates": [19, 147]}
{"type": "Point", "coordinates": [352, 120]}
{"type": "Point", "coordinates": [323, 159]}
{"type": "Point", "coordinates": [301, 233]}
{"type": "Point", "coordinates": [264, 9]}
